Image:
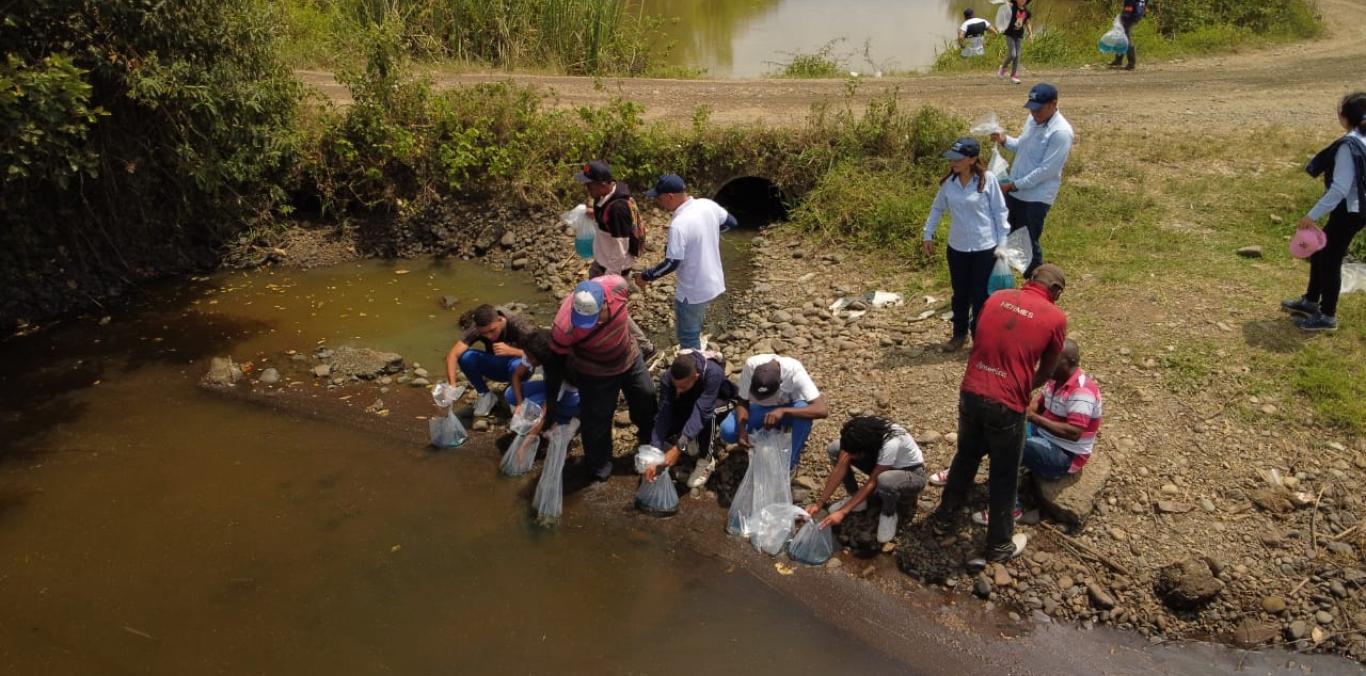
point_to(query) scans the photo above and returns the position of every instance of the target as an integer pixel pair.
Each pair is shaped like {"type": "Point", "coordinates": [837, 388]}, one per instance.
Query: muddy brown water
{"type": "Point", "coordinates": [148, 526]}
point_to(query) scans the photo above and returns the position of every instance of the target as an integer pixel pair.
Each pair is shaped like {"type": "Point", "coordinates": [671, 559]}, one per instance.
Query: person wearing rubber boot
{"type": "Point", "coordinates": [689, 392]}
{"type": "Point", "coordinates": [1018, 344]}
{"type": "Point", "coordinates": [502, 334]}
{"type": "Point", "coordinates": [895, 466]}
{"type": "Point", "coordinates": [1130, 13]}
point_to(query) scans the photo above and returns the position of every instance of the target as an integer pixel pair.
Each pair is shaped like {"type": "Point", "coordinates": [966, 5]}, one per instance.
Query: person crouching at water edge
{"type": "Point", "coordinates": [522, 389]}
{"type": "Point", "coordinates": [591, 337]}
{"type": "Point", "coordinates": [888, 454]}
{"type": "Point", "coordinates": [689, 392]}
{"type": "Point", "coordinates": [502, 334]}
{"type": "Point", "coordinates": [775, 392]}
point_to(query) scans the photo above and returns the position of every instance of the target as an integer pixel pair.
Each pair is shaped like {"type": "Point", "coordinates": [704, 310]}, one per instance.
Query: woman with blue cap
{"type": "Point", "coordinates": [978, 228]}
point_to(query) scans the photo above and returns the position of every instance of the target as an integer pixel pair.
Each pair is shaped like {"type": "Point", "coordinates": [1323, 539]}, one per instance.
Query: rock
{"type": "Point", "coordinates": [1170, 489]}
{"type": "Point", "coordinates": [1118, 534]}
{"type": "Point", "coordinates": [1187, 585]}
{"type": "Point", "coordinates": [1251, 633]}
{"type": "Point", "coordinates": [1071, 498]}
{"type": "Point", "coordinates": [222, 371]}
{"type": "Point", "coordinates": [508, 241]}
{"type": "Point", "coordinates": [1207, 505]}
{"type": "Point", "coordinates": [421, 373]}
{"type": "Point", "coordinates": [480, 425]}
{"type": "Point", "coordinates": [322, 370]}
{"type": "Point", "coordinates": [951, 438]}
{"type": "Point", "coordinates": [419, 382]}
{"type": "Point", "coordinates": [1323, 617]}
{"type": "Point", "coordinates": [1274, 500]}
{"type": "Point", "coordinates": [365, 363]}
{"type": "Point", "coordinates": [807, 482]}
{"type": "Point", "coordinates": [982, 586]}
{"type": "Point", "coordinates": [519, 263]}
{"type": "Point", "coordinates": [269, 376]}
{"type": "Point", "coordinates": [1001, 576]}
{"type": "Point", "coordinates": [450, 302]}
{"type": "Point", "coordinates": [1297, 630]}
{"type": "Point", "coordinates": [1250, 252]}
{"type": "Point", "coordinates": [1100, 599]}
{"type": "Point", "coordinates": [834, 562]}
{"type": "Point", "coordinates": [930, 437]}
{"type": "Point", "coordinates": [1273, 604]}
{"type": "Point", "coordinates": [1341, 548]}
{"type": "Point", "coordinates": [782, 317]}
{"type": "Point", "coordinates": [1173, 507]}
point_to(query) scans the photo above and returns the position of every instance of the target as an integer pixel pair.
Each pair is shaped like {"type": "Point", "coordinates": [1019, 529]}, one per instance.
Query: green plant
{"type": "Point", "coordinates": [825, 62]}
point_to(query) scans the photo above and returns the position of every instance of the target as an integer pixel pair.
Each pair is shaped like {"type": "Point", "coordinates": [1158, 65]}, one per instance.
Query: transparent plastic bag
{"type": "Point", "coordinates": [766, 481]}
{"type": "Point", "coordinates": [521, 455]}
{"type": "Point", "coordinates": [1003, 15]}
{"type": "Point", "coordinates": [1353, 277]}
{"type": "Point", "coordinates": [444, 394]}
{"type": "Point", "coordinates": [987, 125]}
{"type": "Point", "coordinates": [774, 527]}
{"type": "Point", "coordinates": [647, 455]}
{"type": "Point", "coordinates": [1001, 277]}
{"type": "Point", "coordinates": [1019, 250]}
{"type": "Point", "coordinates": [446, 431]}
{"type": "Point", "coordinates": [525, 417]}
{"type": "Point", "coordinates": [585, 230]}
{"type": "Point", "coordinates": [812, 544]}
{"type": "Point", "coordinates": [998, 165]}
{"type": "Point", "coordinates": [1114, 41]}
{"type": "Point", "coordinates": [548, 500]}
{"type": "Point", "coordinates": [658, 497]}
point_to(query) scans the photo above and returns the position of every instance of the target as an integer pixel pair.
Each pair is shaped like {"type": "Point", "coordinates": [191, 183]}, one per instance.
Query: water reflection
{"type": "Point", "coordinates": [746, 38]}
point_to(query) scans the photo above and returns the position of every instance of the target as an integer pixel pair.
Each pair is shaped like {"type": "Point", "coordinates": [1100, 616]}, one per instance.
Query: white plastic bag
{"type": "Point", "coordinates": [998, 165]}
{"type": "Point", "coordinates": [812, 544]}
{"type": "Point", "coordinates": [658, 497]}
{"type": "Point", "coordinates": [766, 481]}
{"type": "Point", "coordinates": [444, 394]}
{"type": "Point", "coordinates": [647, 455]}
{"type": "Point", "coordinates": [1353, 277]}
{"type": "Point", "coordinates": [1001, 277]}
{"type": "Point", "coordinates": [548, 500]}
{"type": "Point", "coordinates": [525, 417]}
{"type": "Point", "coordinates": [774, 527]}
{"type": "Point", "coordinates": [1019, 250]}
{"type": "Point", "coordinates": [585, 230]}
{"type": "Point", "coordinates": [1003, 15]}
{"type": "Point", "coordinates": [446, 431]}
{"type": "Point", "coordinates": [521, 455]}
{"type": "Point", "coordinates": [987, 125]}
{"type": "Point", "coordinates": [1114, 41]}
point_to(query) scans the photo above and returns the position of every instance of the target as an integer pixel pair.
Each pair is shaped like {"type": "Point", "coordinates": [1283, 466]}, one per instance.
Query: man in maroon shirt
{"type": "Point", "coordinates": [1019, 339]}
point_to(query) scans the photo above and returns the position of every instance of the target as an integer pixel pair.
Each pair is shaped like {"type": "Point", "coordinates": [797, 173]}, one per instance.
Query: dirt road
{"type": "Point", "coordinates": [1289, 85]}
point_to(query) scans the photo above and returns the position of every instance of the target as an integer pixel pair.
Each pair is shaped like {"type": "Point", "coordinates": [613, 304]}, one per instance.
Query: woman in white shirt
{"type": "Point", "coordinates": [979, 226]}
{"type": "Point", "coordinates": [1343, 167]}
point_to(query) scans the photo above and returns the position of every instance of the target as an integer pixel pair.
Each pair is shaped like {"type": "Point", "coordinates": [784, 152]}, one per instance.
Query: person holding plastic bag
{"type": "Point", "coordinates": [1130, 13]}
{"type": "Point", "coordinates": [972, 33]}
{"type": "Point", "coordinates": [536, 351]}
{"type": "Point", "coordinates": [689, 392]}
{"type": "Point", "coordinates": [1040, 151]}
{"type": "Point", "coordinates": [888, 454]}
{"type": "Point", "coordinates": [502, 334]}
{"type": "Point", "coordinates": [977, 209]}
{"type": "Point", "coordinates": [619, 232]}
{"type": "Point", "coordinates": [775, 393]}
{"type": "Point", "coordinates": [657, 495]}
{"type": "Point", "coordinates": [1018, 26]}
{"type": "Point", "coordinates": [1343, 168]}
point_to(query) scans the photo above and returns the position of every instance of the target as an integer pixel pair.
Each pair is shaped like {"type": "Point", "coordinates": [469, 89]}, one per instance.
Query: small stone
{"type": "Point", "coordinates": [1273, 604]}
{"type": "Point", "coordinates": [1173, 507]}
{"type": "Point", "coordinates": [1252, 633]}
{"type": "Point", "coordinates": [930, 437]}
{"type": "Point", "coordinates": [1340, 548]}
{"type": "Point", "coordinates": [1297, 630]}
{"type": "Point", "coordinates": [1323, 617]}
{"type": "Point", "coordinates": [1001, 576]}
{"type": "Point", "coordinates": [1206, 504]}
{"type": "Point", "coordinates": [322, 370]}
{"type": "Point", "coordinates": [508, 241]}
{"type": "Point", "coordinates": [1268, 409]}
{"type": "Point", "coordinates": [951, 438]}
{"type": "Point", "coordinates": [982, 587]}
{"type": "Point", "coordinates": [834, 562]}
{"type": "Point", "coordinates": [1100, 599]}
{"type": "Point", "coordinates": [1119, 534]}
{"type": "Point", "coordinates": [1250, 252]}
{"type": "Point", "coordinates": [1170, 489]}
{"type": "Point", "coordinates": [1338, 589]}
{"type": "Point", "coordinates": [419, 382]}
{"type": "Point", "coordinates": [269, 376]}
{"type": "Point", "coordinates": [480, 425]}
{"type": "Point", "coordinates": [420, 373]}
{"type": "Point", "coordinates": [519, 263]}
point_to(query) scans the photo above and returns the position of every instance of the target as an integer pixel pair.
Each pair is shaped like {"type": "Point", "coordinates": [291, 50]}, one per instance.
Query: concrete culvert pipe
{"type": "Point", "coordinates": [754, 201]}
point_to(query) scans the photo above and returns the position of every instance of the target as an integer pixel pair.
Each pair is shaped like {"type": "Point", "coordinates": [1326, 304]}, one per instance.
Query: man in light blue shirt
{"type": "Point", "coordinates": [1040, 153]}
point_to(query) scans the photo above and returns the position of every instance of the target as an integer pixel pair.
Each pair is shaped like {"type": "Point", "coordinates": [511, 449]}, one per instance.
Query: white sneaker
{"type": "Point", "coordinates": [484, 404]}
{"type": "Point", "coordinates": [701, 472]}
{"type": "Point", "coordinates": [839, 504]}
{"type": "Point", "coordinates": [980, 517]}
{"type": "Point", "coordinates": [886, 527]}
{"type": "Point", "coordinates": [939, 478]}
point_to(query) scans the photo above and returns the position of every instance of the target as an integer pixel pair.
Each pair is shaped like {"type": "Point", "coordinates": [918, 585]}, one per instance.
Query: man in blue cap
{"type": "Point", "coordinates": [694, 251]}
{"type": "Point", "coordinates": [1040, 151]}
{"type": "Point", "coordinates": [591, 337]}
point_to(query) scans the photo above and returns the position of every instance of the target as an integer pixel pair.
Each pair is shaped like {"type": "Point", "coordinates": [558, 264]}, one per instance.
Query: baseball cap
{"type": "Point", "coordinates": [1307, 242]}
{"type": "Point", "coordinates": [963, 147]}
{"type": "Point", "coordinates": [969, 13]}
{"type": "Point", "coordinates": [766, 379]}
{"type": "Point", "coordinates": [587, 305]}
{"type": "Point", "coordinates": [596, 171]}
{"type": "Point", "coordinates": [666, 184]}
{"type": "Point", "coordinates": [1040, 94]}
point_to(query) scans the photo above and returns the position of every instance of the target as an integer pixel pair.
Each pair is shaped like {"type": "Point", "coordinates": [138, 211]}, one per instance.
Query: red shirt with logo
{"type": "Point", "coordinates": [1016, 327]}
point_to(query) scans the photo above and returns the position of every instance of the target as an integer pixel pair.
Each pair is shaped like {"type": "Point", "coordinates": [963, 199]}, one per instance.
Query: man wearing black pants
{"type": "Point", "coordinates": [1129, 16]}
{"type": "Point", "coordinates": [1041, 150]}
{"type": "Point", "coordinates": [689, 392]}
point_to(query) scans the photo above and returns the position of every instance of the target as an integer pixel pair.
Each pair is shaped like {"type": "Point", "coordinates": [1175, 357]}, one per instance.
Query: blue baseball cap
{"type": "Point", "coordinates": [1041, 94]}
{"type": "Point", "coordinates": [587, 305]}
{"type": "Point", "coordinates": [963, 147]}
{"type": "Point", "coordinates": [668, 183]}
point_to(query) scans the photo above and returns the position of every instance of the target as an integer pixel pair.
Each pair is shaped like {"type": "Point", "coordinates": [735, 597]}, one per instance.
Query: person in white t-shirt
{"type": "Point", "coordinates": [775, 392]}
{"type": "Point", "coordinates": [694, 251]}
{"type": "Point", "coordinates": [888, 454]}
{"type": "Point", "coordinates": [972, 33]}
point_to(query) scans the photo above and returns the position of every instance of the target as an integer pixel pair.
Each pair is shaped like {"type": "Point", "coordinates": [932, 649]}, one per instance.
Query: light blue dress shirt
{"type": "Point", "coordinates": [1040, 153]}
{"type": "Point", "coordinates": [979, 219]}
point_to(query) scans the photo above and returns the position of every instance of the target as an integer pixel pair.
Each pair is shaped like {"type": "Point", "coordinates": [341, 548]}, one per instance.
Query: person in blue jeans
{"type": "Point", "coordinates": [502, 334]}
{"type": "Point", "coordinates": [536, 350]}
{"type": "Point", "coordinates": [775, 392]}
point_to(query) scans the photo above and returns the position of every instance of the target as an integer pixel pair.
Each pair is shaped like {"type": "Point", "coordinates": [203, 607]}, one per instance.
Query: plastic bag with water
{"type": "Point", "coordinates": [998, 165]}
{"type": "Point", "coordinates": [525, 417]}
{"type": "Point", "coordinates": [445, 394]}
{"type": "Point", "coordinates": [647, 455]}
{"type": "Point", "coordinates": [548, 500]}
{"type": "Point", "coordinates": [1001, 277]}
{"type": "Point", "coordinates": [766, 481]}
{"type": "Point", "coordinates": [1114, 41]}
{"type": "Point", "coordinates": [1353, 277]}
{"type": "Point", "coordinates": [584, 229]}
{"type": "Point", "coordinates": [658, 497]}
{"type": "Point", "coordinates": [446, 431]}
{"type": "Point", "coordinates": [521, 455]}
{"type": "Point", "coordinates": [774, 527]}
{"type": "Point", "coordinates": [987, 125]}
{"type": "Point", "coordinates": [1019, 250]}
{"type": "Point", "coordinates": [812, 544]}
{"type": "Point", "coordinates": [1003, 15]}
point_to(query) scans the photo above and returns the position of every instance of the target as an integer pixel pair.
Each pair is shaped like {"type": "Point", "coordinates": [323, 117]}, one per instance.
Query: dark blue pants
{"type": "Point", "coordinates": [969, 272]}
{"type": "Point", "coordinates": [1029, 215]}
{"type": "Point", "coordinates": [480, 367]}
{"type": "Point", "coordinates": [534, 390]}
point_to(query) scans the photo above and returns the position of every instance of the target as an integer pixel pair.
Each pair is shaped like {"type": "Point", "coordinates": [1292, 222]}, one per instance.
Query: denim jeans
{"type": "Point", "coordinates": [969, 273]}
{"type": "Point", "coordinates": [801, 427]}
{"type": "Point", "coordinates": [1029, 215]}
{"type": "Point", "coordinates": [534, 390]}
{"type": "Point", "coordinates": [689, 318]}
{"type": "Point", "coordinates": [480, 367]}
{"type": "Point", "coordinates": [898, 490]}
{"type": "Point", "coordinates": [598, 397]}
{"type": "Point", "coordinates": [987, 428]}
{"type": "Point", "coordinates": [1046, 460]}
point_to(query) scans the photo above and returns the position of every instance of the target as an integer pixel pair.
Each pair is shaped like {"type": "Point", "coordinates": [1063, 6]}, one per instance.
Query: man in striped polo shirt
{"type": "Point", "coordinates": [1065, 418]}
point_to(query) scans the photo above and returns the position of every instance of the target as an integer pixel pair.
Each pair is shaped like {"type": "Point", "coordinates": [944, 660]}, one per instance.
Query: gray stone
{"type": "Point", "coordinates": [269, 376]}
{"type": "Point", "coordinates": [1207, 505]}
{"type": "Point", "coordinates": [322, 370]}
{"type": "Point", "coordinates": [1100, 599]}
{"type": "Point", "coordinates": [419, 382]}
{"type": "Point", "coordinates": [365, 363]}
{"type": "Point", "coordinates": [982, 586]}
{"type": "Point", "coordinates": [222, 371]}
{"type": "Point", "coordinates": [1340, 548]}
{"type": "Point", "coordinates": [1173, 507]}
{"type": "Point", "coordinates": [1072, 498]}
{"type": "Point", "coordinates": [421, 373]}
{"type": "Point", "coordinates": [1251, 633]}
{"type": "Point", "coordinates": [1187, 585]}
{"type": "Point", "coordinates": [508, 241]}
{"type": "Point", "coordinates": [1250, 252]}
{"type": "Point", "coordinates": [1297, 630]}
{"type": "Point", "coordinates": [1323, 617]}
{"type": "Point", "coordinates": [519, 263]}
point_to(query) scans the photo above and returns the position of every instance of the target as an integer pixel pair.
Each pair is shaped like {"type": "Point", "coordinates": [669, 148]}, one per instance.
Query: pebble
{"type": "Point", "coordinates": [1323, 617]}
{"type": "Point", "coordinates": [930, 437]}
{"type": "Point", "coordinates": [269, 377]}
{"type": "Point", "coordinates": [1207, 505]}
{"type": "Point", "coordinates": [1252, 251]}
{"type": "Point", "coordinates": [420, 373]}
{"type": "Point", "coordinates": [419, 382]}
{"type": "Point", "coordinates": [480, 425]}
{"type": "Point", "coordinates": [1119, 534]}
{"type": "Point", "coordinates": [951, 438]}
{"type": "Point", "coordinates": [1268, 409]}
{"type": "Point", "coordinates": [1170, 489]}
{"type": "Point", "coordinates": [518, 263]}
{"type": "Point", "coordinates": [982, 587]}
{"type": "Point", "coordinates": [1297, 630]}
{"type": "Point", "coordinates": [834, 563]}
{"type": "Point", "coordinates": [1273, 604]}
{"type": "Point", "coordinates": [322, 370]}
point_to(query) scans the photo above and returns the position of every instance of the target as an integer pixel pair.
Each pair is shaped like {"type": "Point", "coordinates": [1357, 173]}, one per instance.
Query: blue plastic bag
{"type": "Point", "coordinates": [1114, 41]}
{"type": "Point", "coordinates": [1001, 277]}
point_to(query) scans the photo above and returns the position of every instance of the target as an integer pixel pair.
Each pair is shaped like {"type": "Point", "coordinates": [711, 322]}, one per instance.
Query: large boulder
{"type": "Point", "coordinates": [1070, 499]}
{"type": "Point", "coordinates": [364, 363]}
{"type": "Point", "coordinates": [222, 371]}
{"type": "Point", "coordinates": [1187, 585]}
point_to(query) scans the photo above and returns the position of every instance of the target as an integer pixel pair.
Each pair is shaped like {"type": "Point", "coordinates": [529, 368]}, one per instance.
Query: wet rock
{"type": "Point", "coordinates": [519, 263]}
{"type": "Point", "coordinates": [421, 373]}
{"type": "Point", "coordinates": [1297, 630]}
{"type": "Point", "coordinates": [365, 363]}
{"type": "Point", "coordinates": [269, 376]}
{"type": "Point", "coordinates": [1251, 633]}
{"type": "Point", "coordinates": [982, 586]}
{"type": "Point", "coordinates": [322, 370]}
{"type": "Point", "coordinates": [222, 371]}
{"type": "Point", "coordinates": [1187, 585]}
{"type": "Point", "coordinates": [1072, 498]}
{"type": "Point", "coordinates": [1100, 599]}
{"type": "Point", "coordinates": [1250, 252]}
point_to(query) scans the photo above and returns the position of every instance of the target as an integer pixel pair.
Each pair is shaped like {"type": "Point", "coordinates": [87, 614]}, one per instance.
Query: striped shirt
{"type": "Point", "coordinates": [1076, 402]}
{"type": "Point", "coordinates": [604, 350]}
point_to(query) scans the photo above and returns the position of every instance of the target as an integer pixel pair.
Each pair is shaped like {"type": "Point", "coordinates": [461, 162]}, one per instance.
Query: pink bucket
{"type": "Point", "coordinates": [1307, 241]}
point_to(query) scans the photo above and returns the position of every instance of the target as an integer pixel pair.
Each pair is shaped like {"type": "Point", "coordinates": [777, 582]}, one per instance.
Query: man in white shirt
{"type": "Point", "coordinates": [775, 392]}
{"type": "Point", "coordinates": [694, 251]}
{"type": "Point", "coordinates": [888, 454]}
{"type": "Point", "coordinates": [973, 32]}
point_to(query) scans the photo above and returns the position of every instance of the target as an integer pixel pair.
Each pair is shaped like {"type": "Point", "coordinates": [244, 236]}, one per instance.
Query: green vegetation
{"type": "Point", "coordinates": [1333, 383]}
{"type": "Point", "coordinates": [822, 63]}
{"type": "Point", "coordinates": [1176, 29]}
